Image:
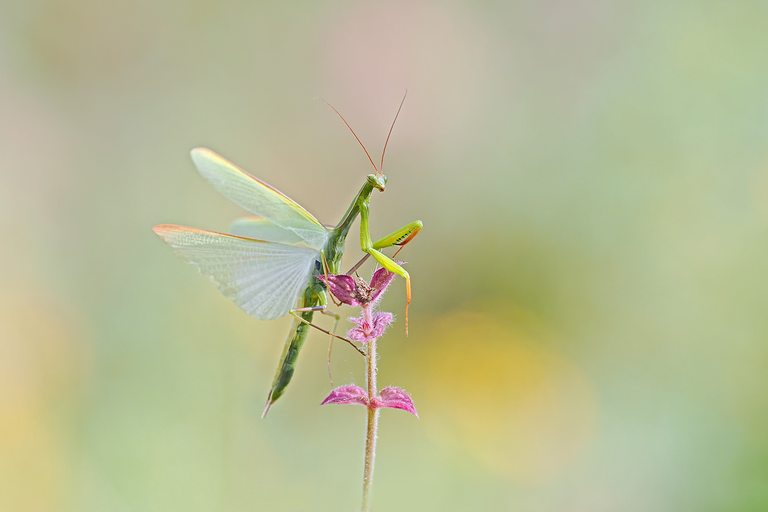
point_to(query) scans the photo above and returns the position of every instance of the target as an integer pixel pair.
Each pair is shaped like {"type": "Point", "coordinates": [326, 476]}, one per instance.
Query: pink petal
{"type": "Point", "coordinates": [379, 282]}
{"type": "Point", "coordinates": [367, 331]}
{"type": "Point", "coordinates": [342, 287]}
{"type": "Point", "coordinates": [349, 394]}
{"type": "Point", "coordinates": [380, 323]}
{"type": "Point", "coordinates": [358, 334]}
{"type": "Point", "coordinates": [396, 398]}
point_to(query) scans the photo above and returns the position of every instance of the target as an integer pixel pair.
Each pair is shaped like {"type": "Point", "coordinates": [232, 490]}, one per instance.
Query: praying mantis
{"type": "Point", "coordinates": [269, 264]}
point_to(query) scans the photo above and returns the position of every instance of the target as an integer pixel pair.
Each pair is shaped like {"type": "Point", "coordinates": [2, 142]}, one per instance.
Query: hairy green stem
{"type": "Point", "coordinates": [373, 421]}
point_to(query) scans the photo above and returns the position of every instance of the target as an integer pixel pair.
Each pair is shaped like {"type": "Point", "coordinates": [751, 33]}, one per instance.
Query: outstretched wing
{"type": "Point", "coordinates": [261, 229]}
{"type": "Point", "coordinates": [264, 278]}
{"type": "Point", "coordinates": [259, 198]}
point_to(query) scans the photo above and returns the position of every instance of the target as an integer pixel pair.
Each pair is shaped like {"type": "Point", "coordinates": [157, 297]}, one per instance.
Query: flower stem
{"type": "Point", "coordinates": [373, 423]}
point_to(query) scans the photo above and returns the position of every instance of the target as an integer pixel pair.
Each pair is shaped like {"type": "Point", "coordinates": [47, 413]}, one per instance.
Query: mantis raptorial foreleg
{"type": "Point", "coordinates": [399, 237]}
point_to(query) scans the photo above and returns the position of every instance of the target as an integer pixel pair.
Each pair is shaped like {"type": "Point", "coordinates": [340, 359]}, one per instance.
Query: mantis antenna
{"type": "Point", "coordinates": [356, 137]}
{"type": "Point", "coordinates": [389, 134]}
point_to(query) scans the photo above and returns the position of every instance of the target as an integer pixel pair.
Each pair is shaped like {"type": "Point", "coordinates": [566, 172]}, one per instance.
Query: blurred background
{"type": "Point", "coordinates": [588, 331]}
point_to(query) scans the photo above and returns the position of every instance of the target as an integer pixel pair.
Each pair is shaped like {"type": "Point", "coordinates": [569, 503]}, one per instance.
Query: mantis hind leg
{"type": "Point", "coordinates": [332, 333]}
{"type": "Point", "coordinates": [336, 319]}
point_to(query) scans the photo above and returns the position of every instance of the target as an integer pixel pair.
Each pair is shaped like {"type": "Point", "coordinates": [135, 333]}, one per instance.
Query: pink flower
{"type": "Point", "coordinates": [390, 397]}
{"type": "Point", "coordinates": [354, 291]}
{"type": "Point", "coordinates": [369, 328]}
{"type": "Point", "coordinates": [343, 287]}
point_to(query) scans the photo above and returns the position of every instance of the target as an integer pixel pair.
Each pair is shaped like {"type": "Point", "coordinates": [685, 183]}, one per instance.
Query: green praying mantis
{"type": "Point", "coordinates": [269, 264]}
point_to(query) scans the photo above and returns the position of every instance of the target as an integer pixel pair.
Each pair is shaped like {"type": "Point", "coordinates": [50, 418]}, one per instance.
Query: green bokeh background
{"type": "Point", "coordinates": [588, 330]}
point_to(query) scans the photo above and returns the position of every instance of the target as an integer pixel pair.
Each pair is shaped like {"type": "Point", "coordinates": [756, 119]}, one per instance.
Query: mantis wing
{"type": "Point", "coordinates": [264, 278]}
{"type": "Point", "coordinates": [259, 198]}
{"type": "Point", "coordinates": [262, 229]}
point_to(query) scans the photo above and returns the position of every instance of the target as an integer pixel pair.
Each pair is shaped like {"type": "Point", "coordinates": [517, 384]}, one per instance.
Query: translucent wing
{"type": "Point", "coordinates": [264, 278]}
{"type": "Point", "coordinates": [261, 229]}
{"type": "Point", "coordinates": [259, 198]}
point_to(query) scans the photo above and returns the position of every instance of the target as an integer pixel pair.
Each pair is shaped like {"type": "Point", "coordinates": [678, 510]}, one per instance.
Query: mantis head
{"type": "Point", "coordinates": [378, 181]}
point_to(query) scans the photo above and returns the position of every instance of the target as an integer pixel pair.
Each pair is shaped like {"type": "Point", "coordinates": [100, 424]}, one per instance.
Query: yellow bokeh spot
{"type": "Point", "coordinates": [493, 387]}
{"type": "Point", "coordinates": [39, 369]}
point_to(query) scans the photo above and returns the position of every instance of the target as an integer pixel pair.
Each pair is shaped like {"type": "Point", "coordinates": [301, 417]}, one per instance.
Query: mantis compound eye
{"type": "Point", "coordinates": [379, 181]}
